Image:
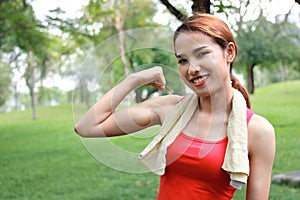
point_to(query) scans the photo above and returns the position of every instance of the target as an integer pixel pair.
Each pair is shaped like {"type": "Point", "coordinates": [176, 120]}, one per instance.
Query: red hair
{"type": "Point", "coordinates": [219, 31]}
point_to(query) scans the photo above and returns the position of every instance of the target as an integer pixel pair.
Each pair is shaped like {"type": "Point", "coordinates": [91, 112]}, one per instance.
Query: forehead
{"type": "Point", "coordinates": [191, 40]}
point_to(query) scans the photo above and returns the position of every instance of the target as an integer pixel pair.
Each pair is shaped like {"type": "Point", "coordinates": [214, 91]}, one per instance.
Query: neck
{"type": "Point", "coordinates": [219, 102]}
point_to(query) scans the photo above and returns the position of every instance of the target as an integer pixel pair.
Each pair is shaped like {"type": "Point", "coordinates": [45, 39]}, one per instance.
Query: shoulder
{"type": "Point", "coordinates": [260, 127]}
{"type": "Point", "coordinates": [166, 100]}
{"type": "Point", "coordinates": [261, 134]}
{"type": "Point", "coordinates": [160, 106]}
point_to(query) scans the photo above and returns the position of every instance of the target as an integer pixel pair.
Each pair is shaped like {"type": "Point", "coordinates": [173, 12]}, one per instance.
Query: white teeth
{"type": "Point", "coordinates": [198, 80]}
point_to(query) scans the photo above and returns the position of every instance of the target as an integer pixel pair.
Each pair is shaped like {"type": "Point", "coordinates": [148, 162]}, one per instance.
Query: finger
{"type": "Point", "coordinates": [161, 87]}
{"type": "Point", "coordinates": [161, 81]}
{"type": "Point", "coordinates": [158, 86]}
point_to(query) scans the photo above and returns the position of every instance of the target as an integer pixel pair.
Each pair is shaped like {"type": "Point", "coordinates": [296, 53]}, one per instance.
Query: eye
{"type": "Point", "coordinates": [182, 61]}
{"type": "Point", "coordinates": [201, 54]}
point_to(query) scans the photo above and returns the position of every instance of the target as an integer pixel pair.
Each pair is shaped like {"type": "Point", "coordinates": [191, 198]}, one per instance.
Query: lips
{"type": "Point", "coordinates": [199, 80]}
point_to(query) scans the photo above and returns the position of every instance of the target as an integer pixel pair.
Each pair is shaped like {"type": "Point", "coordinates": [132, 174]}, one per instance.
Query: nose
{"type": "Point", "coordinates": [194, 68]}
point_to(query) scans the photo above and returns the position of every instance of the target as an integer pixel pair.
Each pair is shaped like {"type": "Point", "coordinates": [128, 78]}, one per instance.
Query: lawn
{"type": "Point", "coordinates": [45, 159]}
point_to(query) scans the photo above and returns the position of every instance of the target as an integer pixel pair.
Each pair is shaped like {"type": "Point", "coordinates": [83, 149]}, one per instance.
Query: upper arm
{"type": "Point", "coordinates": [135, 118]}
{"type": "Point", "coordinates": [261, 156]}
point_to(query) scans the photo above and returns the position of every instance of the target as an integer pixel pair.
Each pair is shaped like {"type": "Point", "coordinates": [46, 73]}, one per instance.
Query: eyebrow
{"type": "Point", "coordinates": [199, 49]}
{"type": "Point", "coordinates": [195, 51]}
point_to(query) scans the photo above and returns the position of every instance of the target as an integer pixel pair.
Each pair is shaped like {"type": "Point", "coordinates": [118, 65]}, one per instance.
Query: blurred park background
{"type": "Point", "coordinates": [57, 57]}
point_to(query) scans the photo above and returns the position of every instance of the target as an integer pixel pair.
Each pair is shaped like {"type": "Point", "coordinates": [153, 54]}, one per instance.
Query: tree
{"type": "Point", "coordinates": [254, 49]}
{"type": "Point", "coordinates": [106, 22]}
{"type": "Point", "coordinates": [266, 44]}
{"type": "Point", "coordinates": [24, 31]}
{"type": "Point", "coordinates": [9, 24]}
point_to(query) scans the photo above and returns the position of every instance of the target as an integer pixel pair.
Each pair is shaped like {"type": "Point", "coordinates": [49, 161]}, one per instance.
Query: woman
{"type": "Point", "coordinates": [205, 50]}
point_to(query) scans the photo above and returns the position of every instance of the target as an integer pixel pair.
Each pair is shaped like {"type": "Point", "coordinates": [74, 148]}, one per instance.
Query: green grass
{"type": "Point", "coordinates": [45, 159]}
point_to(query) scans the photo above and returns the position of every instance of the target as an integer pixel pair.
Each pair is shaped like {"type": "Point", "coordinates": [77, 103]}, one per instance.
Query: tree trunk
{"type": "Point", "coordinates": [297, 1]}
{"type": "Point", "coordinates": [85, 96]}
{"type": "Point", "coordinates": [202, 6]}
{"type": "Point", "coordinates": [250, 78]}
{"type": "Point", "coordinates": [30, 81]}
{"type": "Point", "coordinates": [119, 24]}
{"type": "Point", "coordinates": [40, 98]}
{"type": "Point", "coordinates": [16, 96]}
{"type": "Point", "coordinates": [179, 15]}
{"type": "Point", "coordinates": [109, 71]}
{"type": "Point", "coordinates": [283, 73]}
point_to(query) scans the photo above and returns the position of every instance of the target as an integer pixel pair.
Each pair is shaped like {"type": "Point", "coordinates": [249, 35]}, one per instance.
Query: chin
{"type": "Point", "coordinates": [201, 92]}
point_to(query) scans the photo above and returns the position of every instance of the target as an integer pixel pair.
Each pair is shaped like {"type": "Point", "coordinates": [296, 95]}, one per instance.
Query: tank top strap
{"type": "Point", "coordinates": [249, 115]}
{"type": "Point", "coordinates": [182, 98]}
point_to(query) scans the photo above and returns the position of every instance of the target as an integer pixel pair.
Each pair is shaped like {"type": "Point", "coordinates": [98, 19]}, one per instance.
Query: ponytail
{"type": "Point", "coordinates": [237, 85]}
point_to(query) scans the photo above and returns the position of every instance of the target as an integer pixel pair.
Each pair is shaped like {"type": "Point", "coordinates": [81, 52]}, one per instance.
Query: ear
{"type": "Point", "coordinates": [230, 52]}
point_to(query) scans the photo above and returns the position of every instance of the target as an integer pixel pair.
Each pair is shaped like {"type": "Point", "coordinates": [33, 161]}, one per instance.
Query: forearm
{"type": "Point", "coordinates": [109, 102]}
{"type": "Point", "coordinates": [105, 107]}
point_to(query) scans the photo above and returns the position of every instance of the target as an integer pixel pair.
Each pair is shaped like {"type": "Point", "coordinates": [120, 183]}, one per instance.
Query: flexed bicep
{"type": "Point", "coordinates": [149, 113]}
{"type": "Point", "coordinates": [128, 121]}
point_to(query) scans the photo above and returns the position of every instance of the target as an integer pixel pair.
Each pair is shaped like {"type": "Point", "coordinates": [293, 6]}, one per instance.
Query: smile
{"type": "Point", "coordinates": [199, 81]}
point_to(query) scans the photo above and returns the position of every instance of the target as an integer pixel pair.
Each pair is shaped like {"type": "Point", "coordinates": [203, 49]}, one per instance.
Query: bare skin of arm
{"type": "Point", "coordinates": [102, 119]}
{"type": "Point", "coordinates": [261, 155]}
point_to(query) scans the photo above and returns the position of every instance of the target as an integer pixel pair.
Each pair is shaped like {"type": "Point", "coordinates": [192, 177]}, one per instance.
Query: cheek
{"type": "Point", "coordinates": [182, 70]}
{"type": "Point", "coordinates": [209, 63]}
{"type": "Point", "coordinates": [183, 74]}
{"type": "Point", "coordinates": [217, 68]}
{"type": "Point", "coordinates": [216, 63]}
{"type": "Point", "coordinates": [222, 74]}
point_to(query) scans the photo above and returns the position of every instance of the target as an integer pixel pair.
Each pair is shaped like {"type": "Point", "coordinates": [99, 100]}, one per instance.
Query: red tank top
{"type": "Point", "coordinates": [197, 172]}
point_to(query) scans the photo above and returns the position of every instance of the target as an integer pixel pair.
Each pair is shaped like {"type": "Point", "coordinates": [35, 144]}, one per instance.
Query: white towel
{"type": "Point", "coordinates": [236, 161]}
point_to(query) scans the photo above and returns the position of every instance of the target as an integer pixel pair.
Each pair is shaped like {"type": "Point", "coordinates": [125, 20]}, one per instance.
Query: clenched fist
{"type": "Point", "coordinates": [153, 76]}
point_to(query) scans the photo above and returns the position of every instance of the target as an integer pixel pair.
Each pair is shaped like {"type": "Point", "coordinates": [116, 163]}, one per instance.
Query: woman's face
{"type": "Point", "coordinates": [203, 65]}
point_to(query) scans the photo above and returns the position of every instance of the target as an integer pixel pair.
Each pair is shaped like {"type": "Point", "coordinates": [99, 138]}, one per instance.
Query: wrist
{"type": "Point", "coordinates": [132, 81]}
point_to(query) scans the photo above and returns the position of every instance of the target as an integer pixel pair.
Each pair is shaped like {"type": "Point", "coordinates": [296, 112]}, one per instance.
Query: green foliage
{"type": "Point", "coordinates": [46, 96]}
{"type": "Point", "coordinates": [137, 19]}
{"type": "Point", "coordinates": [268, 44]}
{"type": "Point", "coordinates": [98, 18]}
{"type": "Point", "coordinates": [97, 28]}
{"type": "Point", "coordinates": [21, 28]}
{"type": "Point", "coordinates": [222, 7]}
{"type": "Point", "coordinates": [254, 43]}
{"type": "Point", "coordinates": [12, 24]}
